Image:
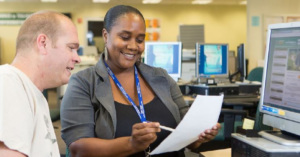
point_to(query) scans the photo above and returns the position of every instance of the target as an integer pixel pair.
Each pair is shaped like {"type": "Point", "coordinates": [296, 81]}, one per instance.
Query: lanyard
{"type": "Point", "coordinates": [141, 111]}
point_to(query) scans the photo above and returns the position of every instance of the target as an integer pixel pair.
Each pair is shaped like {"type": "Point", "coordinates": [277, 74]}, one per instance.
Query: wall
{"type": "Point", "coordinates": [255, 36]}
{"type": "Point", "coordinates": [223, 23]}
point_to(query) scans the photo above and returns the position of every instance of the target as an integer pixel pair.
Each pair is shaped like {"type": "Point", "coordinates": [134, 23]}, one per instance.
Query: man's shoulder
{"type": "Point", "coordinates": [5, 68]}
{"type": "Point", "coordinates": [8, 71]}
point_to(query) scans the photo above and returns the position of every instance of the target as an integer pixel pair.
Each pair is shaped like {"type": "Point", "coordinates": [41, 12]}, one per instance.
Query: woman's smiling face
{"type": "Point", "coordinates": [126, 41]}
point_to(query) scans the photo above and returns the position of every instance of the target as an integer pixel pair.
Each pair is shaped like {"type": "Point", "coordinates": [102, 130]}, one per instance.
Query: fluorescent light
{"type": "Point", "coordinates": [151, 1]}
{"type": "Point", "coordinates": [1, 0]}
{"type": "Point", "coordinates": [100, 1]}
{"type": "Point", "coordinates": [49, 1]}
{"type": "Point", "coordinates": [243, 2]}
{"type": "Point", "coordinates": [201, 1]}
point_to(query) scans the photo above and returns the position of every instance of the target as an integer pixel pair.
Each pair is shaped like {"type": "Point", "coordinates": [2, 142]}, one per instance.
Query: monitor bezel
{"type": "Point", "coordinates": [147, 44]}
{"type": "Point", "coordinates": [289, 115]}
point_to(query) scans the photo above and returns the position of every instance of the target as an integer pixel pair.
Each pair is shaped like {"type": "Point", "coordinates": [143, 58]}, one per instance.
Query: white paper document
{"type": "Point", "coordinates": [202, 115]}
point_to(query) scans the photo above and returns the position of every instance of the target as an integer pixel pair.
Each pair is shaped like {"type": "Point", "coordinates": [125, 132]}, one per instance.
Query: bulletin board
{"type": "Point", "coordinates": [13, 18]}
{"type": "Point", "coordinates": [152, 29]}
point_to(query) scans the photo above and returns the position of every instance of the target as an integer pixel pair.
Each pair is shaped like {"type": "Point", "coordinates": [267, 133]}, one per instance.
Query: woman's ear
{"type": "Point", "coordinates": [104, 35]}
{"type": "Point", "coordinates": [42, 42]}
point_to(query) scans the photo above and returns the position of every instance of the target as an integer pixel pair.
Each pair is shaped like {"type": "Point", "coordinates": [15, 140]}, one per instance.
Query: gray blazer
{"type": "Point", "coordinates": [88, 108]}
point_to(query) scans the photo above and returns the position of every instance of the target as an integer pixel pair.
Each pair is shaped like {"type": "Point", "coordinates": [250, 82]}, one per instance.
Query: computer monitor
{"type": "Point", "coordinates": [280, 99]}
{"type": "Point", "coordinates": [241, 61]}
{"type": "Point", "coordinates": [241, 64]}
{"type": "Point", "coordinates": [166, 55]}
{"type": "Point", "coordinates": [211, 60]}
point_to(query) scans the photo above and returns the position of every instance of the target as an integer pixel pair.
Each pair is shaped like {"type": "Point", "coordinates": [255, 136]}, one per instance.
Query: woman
{"type": "Point", "coordinates": [115, 108]}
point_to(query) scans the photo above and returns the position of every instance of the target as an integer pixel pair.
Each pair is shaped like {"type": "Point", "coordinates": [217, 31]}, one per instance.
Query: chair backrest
{"type": "Point", "coordinates": [256, 74]}
{"type": "Point", "coordinates": [45, 93]}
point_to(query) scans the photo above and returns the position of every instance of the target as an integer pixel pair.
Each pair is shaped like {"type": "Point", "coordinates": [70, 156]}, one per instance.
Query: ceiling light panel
{"type": "Point", "coordinates": [201, 1]}
{"type": "Point", "coordinates": [151, 1]}
{"type": "Point", "coordinates": [100, 1]}
{"type": "Point", "coordinates": [243, 2]}
{"type": "Point", "coordinates": [49, 1]}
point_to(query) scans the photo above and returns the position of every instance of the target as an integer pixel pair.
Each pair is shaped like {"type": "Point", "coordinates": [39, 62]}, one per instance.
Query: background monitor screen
{"type": "Point", "coordinates": [241, 61]}
{"type": "Point", "coordinates": [211, 60]}
{"type": "Point", "coordinates": [166, 55]}
{"type": "Point", "coordinates": [241, 72]}
{"type": "Point", "coordinates": [280, 100]}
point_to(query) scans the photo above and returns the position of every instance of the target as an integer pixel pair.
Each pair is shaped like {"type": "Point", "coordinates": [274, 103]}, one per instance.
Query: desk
{"type": "Point", "coordinates": [229, 102]}
{"type": "Point", "coordinates": [217, 153]}
{"type": "Point", "coordinates": [226, 89]}
{"type": "Point", "coordinates": [188, 99]}
{"type": "Point", "coordinates": [230, 89]}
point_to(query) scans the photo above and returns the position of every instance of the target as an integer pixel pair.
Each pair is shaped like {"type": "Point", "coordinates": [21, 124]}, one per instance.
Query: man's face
{"type": "Point", "coordinates": [63, 54]}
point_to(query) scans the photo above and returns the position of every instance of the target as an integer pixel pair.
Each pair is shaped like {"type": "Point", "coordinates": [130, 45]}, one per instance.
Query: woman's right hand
{"type": "Point", "coordinates": [143, 134]}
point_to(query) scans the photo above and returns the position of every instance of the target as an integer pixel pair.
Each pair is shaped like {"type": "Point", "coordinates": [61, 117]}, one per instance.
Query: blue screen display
{"type": "Point", "coordinates": [164, 55]}
{"type": "Point", "coordinates": [212, 59]}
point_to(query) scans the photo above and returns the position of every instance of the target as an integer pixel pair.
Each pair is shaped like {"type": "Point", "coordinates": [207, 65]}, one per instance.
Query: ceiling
{"type": "Point", "coordinates": [215, 2]}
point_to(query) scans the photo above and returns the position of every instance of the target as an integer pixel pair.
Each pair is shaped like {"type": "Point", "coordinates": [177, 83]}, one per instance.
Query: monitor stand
{"type": "Point", "coordinates": [230, 76]}
{"type": "Point", "coordinates": [281, 137]}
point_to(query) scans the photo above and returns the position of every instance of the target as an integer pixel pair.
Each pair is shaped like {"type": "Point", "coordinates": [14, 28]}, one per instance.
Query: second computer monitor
{"type": "Point", "coordinates": [166, 55]}
{"type": "Point", "coordinates": [211, 60]}
{"type": "Point", "coordinates": [241, 62]}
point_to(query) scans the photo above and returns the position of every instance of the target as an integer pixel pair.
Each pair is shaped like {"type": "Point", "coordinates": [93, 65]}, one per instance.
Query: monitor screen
{"type": "Point", "coordinates": [166, 55]}
{"type": "Point", "coordinates": [211, 60]}
{"type": "Point", "coordinates": [280, 99]}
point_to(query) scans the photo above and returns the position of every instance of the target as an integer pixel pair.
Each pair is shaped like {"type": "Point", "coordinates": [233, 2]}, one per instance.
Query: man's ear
{"type": "Point", "coordinates": [42, 42]}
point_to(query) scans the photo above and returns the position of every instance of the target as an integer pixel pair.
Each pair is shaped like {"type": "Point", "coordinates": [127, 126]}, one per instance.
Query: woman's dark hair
{"type": "Point", "coordinates": [115, 12]}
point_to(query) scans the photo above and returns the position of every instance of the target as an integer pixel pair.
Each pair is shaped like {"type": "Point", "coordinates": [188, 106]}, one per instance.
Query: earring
{"type": "Point", "coordinates": [105, 54]}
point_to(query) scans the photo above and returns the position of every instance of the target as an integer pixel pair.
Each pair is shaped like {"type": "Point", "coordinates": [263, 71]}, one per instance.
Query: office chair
{"type": "Point", "coordinates": [256, 74]}
{"type": "Point", "coordinates": [231, 120]}
{"type": "Point", "coordinates": [54, 114]}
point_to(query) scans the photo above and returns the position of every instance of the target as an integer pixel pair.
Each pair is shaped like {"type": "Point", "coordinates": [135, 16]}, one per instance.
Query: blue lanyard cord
{"type": "Point", "coordinates": [141, 111]}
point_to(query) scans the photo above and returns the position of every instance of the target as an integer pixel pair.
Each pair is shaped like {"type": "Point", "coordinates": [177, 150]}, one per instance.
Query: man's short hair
{"type": "Point", "coordinates": [42, 22]}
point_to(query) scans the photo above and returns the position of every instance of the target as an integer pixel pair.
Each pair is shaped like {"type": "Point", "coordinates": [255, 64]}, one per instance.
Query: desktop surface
{"type": "Point", "coordinates": [230, 89]}
{"type": "Point", "coordinates": [203, 89]}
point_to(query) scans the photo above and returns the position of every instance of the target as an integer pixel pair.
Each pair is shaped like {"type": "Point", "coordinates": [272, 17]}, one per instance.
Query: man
{"type": "Point", "coordinates": [46, 48]}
